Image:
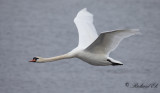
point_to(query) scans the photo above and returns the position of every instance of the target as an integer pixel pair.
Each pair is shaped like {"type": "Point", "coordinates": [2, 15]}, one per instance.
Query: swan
{"type": "Point", "coordinates": [92, 48]}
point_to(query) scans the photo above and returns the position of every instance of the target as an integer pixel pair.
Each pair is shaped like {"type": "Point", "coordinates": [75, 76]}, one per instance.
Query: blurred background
{"type": "Point", "coordinates": [45, 28]}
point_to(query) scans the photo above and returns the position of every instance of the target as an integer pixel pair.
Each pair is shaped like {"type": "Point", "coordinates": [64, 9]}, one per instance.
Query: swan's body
{"type": "Point", "coordinates": [92, 48]}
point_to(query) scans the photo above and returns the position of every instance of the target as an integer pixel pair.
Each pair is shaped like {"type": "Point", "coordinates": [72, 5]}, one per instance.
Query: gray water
{"type": "Point", "coordinates": [45, 28]}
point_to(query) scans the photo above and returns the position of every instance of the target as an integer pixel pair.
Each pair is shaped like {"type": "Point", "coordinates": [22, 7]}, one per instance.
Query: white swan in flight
{"type": "Point", "coordinates": [92, 48]}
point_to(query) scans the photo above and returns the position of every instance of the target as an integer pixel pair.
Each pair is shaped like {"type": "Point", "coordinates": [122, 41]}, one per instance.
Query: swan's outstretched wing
{"type": "Point", "coordinates": [108, 41]}
{"type": "Point", "coordinates": [86, 29]}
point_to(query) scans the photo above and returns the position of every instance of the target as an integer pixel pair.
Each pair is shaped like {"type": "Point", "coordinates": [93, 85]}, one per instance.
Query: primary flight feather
{"type": "Point", "coordinates": [86, 29]}
{"type": "Point", "coordinates": [92, 48]}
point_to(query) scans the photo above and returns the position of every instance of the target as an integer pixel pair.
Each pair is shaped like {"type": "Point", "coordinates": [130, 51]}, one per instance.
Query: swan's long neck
{"type": "Point", "coordinates": [65, 56]}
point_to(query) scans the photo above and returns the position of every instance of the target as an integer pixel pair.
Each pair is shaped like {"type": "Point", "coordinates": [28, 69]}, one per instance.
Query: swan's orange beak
{"type": "Point", "coordinates": [32, 60]}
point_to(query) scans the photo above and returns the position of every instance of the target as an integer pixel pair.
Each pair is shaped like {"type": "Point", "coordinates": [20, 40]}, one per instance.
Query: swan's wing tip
{"type": "Point", "coordinates": [84, 9]}
{"type": "Point", "coordinates": [136, 31]}
{"type": "Point", "coordinates": [84, 15]}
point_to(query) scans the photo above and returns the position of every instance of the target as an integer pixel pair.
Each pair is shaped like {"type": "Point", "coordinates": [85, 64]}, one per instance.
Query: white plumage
{"type": "Point", "coordinates": [92, 48]}
{"type": "Point", "coordinates": [86, 29]}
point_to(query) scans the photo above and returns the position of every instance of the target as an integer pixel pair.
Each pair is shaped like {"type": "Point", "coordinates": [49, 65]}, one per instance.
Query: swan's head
{"type": "Point", "coordinates": [35, 59]}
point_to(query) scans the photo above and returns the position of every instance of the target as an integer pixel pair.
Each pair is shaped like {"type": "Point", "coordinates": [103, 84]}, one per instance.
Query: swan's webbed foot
{"type": "Point", "coordinates": [114, 63]}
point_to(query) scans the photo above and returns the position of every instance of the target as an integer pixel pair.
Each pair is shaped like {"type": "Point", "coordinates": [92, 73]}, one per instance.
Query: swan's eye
{"type": "Point", "coordinates": [35, 58]}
